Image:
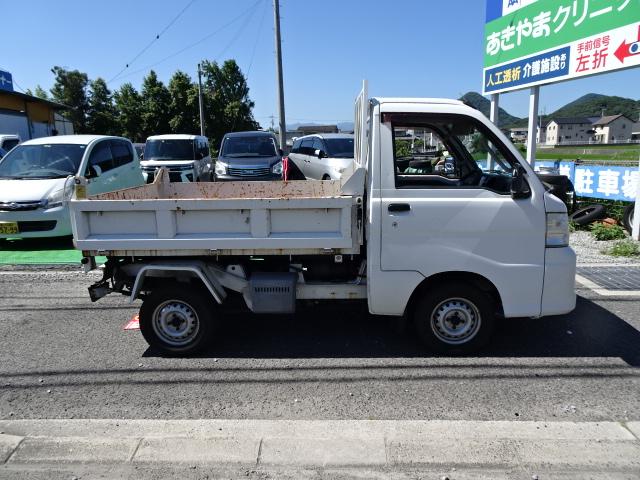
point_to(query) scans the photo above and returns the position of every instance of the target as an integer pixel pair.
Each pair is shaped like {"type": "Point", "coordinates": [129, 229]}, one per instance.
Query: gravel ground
{"type": "Point", "coordinates": [589, 250]}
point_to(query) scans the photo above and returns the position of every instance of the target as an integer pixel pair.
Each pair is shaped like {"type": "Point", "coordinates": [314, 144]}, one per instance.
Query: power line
{"type": "Point", "coordinates": [198, 42]}
{"type": "Point", "coordinates": [157, 37]}
{"type": "Point", "coordinates": [255, 46]}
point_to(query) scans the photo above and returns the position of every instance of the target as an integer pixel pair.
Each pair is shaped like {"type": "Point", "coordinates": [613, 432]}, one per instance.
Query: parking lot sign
{"type": "Point", "coordinates": [6, 81]}
{"type": "Point", "coordinates": [536, 42]}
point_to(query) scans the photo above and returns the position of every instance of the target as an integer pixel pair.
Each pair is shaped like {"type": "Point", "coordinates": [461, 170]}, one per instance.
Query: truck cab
{"type": "Point", "coordinates": [462, 215]}
{"type": "Point", "coordinates": [451, 233]}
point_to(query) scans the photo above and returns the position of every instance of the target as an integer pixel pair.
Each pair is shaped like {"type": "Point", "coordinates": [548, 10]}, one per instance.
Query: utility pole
{"type": "Point", "coordinates": [283, 124]}
{"type": "Point", "coordinates": [200, 101]}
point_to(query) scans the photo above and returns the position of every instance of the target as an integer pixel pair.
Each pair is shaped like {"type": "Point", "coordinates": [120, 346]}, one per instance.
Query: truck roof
{"type": "Point", "coordinates": [440, 101]}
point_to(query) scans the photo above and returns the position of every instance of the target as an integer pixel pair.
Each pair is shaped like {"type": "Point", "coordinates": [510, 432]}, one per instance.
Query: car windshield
{"type": "Point", "coordinates": [42, 161]}
{"type": "Point", "coordinates": [167, 149]}
{"type": "Point", "coordinates": [261, 146]}
{"type": "Point", "coordinates": [339, 147]}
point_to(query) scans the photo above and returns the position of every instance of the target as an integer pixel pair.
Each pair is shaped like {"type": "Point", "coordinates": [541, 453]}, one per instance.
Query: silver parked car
{"type": "Point", "coordinates": [322, 156]}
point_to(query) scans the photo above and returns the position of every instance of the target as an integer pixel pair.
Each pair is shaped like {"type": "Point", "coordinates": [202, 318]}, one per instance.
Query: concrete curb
{"type": "Point", "coordinates": [251, 443]}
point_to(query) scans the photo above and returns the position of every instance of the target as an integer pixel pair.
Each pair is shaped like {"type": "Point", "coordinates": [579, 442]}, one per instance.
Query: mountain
{"type": "Point", "coordinates": [592, 104]}
{"type": "Point", "coordinates": [477, 101]}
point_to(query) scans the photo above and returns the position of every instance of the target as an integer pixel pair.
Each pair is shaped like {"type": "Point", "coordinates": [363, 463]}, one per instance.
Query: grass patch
{"type": "Point", "coordinates": [603, 232]}
{"type": "Point", "coordinates": [624, 248]}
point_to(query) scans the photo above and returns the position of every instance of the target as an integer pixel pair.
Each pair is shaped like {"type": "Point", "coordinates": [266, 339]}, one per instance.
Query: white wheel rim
{"type": "Point", "coordinates": [455, 321]}
{"type": "Point", "coordinates": [176, 323]}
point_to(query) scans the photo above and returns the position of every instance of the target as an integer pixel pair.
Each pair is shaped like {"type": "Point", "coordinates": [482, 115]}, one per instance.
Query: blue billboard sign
{"type": "Point", "coordinates": [6, 81]}
{"type": "Point", "coordinates": [537, 68]}
{"type": "Point", "coordinates": [608, 183]}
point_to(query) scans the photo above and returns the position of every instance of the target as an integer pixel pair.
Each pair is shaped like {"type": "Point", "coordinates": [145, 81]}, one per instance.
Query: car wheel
{"type": "Point", "coordinates": [177, 319]}
{"type": "Point", "coordinates": [454, 318]}
{"type": "Point", "coordinates": [326, 176]}
{"type": "Point", "coordinates": [585, 216]}
{"type": "Point", "coordinates": [627, 217]}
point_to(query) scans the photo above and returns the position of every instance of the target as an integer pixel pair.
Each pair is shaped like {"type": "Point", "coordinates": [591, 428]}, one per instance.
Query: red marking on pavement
{"type": "Point", "coordinates": [133, 324]}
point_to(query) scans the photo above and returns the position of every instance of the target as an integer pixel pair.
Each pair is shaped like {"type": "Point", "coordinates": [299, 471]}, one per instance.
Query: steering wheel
{"type": "Point", "coordinates": [65, 161]}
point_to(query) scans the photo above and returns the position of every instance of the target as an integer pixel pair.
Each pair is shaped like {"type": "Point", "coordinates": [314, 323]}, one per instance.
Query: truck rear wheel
{"type": "Point", "coordinates": [177, 319]}
{"type": "Point", "coordinates": [454, 318]}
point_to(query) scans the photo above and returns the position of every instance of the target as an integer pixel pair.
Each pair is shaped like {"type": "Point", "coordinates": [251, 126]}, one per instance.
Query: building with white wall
{"type": "Point", "coordinates": [613, 129]}
{"type": "Point", "coordinates": [569, 130]}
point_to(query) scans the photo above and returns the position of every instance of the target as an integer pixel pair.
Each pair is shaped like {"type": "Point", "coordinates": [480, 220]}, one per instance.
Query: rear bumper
{"type": "Point", "coordinates": [559, 294]}
{"type": "Point", "coordinates": [52, 222]}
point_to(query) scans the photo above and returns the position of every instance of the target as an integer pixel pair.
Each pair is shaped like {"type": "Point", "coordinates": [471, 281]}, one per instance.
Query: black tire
{"type": "Point", "coordinates": [627, 217]}
{"type": "Point", "coordinates": [192, 310]}
{"type": "Point", "coordinates": [326, 177]}
{"type": "Point", "coordinates": [434, 324]}
{"type": "Point", "coordinates": [589, 214]}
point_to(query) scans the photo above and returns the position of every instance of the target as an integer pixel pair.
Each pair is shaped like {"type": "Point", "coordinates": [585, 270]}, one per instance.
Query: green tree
{"type": "Point", "coordinates": [156, 103]}
{"type": "Point", "coordinates": [70, 89]}
{"type": "Point", "coordinates": [183, 110]}
{"type": "Point", "coordinates": [101, 114]}
{"type": "Point", "coordinates": [128, 105]}
{"type": "Point", "coordinates": [228, 107]}
{"type": "Point", "coordinates": [41, 92]}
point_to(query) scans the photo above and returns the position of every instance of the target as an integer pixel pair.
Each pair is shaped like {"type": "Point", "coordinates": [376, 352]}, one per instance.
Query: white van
{"type": "Point", "coordinates": [36, 180]}
{"type": "Point", "coordinates": [8, 141]}
{"type": "Point", "coordinates": [186, 156]}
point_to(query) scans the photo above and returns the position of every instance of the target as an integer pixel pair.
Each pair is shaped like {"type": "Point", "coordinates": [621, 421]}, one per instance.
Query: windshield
{"type": "Point", "coordinates": [169, 150]}
{"type": "Point", "coordinates": [42, 161]}
{"type": "Point", "coordinates": [261, 146]}
{"type": "Point", "coordinates": [340, 147]}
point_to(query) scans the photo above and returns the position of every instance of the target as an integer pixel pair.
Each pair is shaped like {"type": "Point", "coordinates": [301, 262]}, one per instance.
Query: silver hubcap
{"type": "Point", "coordinates": [455, 321]}
{"type": "Point", "coordinates": [175, 323]}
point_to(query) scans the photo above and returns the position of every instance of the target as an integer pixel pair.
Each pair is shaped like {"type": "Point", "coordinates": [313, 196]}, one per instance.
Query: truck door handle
{"type": "Point", "coordinates": [399, 207]}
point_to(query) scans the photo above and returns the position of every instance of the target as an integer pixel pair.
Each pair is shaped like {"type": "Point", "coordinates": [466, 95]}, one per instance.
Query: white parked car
{"type": "Point", "coordinates": [8, 141]}
{"type": "Point", "coordinates": [36, 180]}
{"type": "Point", "coordinates": [322, 156]}
{"type": "Point", "coordinates": [186, 156]}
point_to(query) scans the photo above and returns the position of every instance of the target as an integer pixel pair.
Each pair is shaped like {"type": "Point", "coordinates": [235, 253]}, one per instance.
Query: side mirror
{"type": "Point", "coordinates": [519, 186]}
{"type": "Point", "coordinates": [320, 153]}
{"type": "Point", "coordinates": [281, 152]}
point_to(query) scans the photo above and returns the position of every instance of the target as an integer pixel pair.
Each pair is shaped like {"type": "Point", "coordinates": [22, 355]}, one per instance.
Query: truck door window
{"type": "Point", "coordinates": [448, 151]}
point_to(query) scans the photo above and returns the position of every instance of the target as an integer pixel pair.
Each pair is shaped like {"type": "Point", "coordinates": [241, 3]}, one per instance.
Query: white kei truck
{"type": "Point", "coordinates": [453, 237]}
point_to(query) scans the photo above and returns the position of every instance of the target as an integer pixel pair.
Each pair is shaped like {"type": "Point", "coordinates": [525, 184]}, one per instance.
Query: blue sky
{"type": "Point", "coordinates": [424, 48]}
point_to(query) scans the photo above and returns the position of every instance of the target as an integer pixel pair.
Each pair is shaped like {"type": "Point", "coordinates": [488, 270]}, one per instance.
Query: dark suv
{"type": "Point", "coordinates": [249, 156]}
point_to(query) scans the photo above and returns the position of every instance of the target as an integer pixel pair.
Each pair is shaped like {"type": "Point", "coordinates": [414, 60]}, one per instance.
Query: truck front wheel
{"type": "Point", "coordinates": [177, 320]}
{"type": "Point", "coordinates": [455, 318]}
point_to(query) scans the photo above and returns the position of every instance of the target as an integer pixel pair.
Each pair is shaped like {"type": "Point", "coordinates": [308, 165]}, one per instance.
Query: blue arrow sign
{"type": "Point", "coordinates": [6, 81]}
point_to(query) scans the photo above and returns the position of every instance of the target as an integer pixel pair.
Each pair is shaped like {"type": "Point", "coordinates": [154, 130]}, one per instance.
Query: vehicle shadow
{"type": "Point", "coordinates": [36, 244]}
{"type": "Point", "coordinates": [589, 331]}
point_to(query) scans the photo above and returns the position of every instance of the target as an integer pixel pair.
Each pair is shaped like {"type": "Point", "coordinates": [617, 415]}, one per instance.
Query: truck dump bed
{"type": "Point", "coordinates": [220, 218]}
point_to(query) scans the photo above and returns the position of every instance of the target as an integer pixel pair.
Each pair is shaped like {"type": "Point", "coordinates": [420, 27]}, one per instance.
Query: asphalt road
{"type": "Point", "coordinates": [63, 357]}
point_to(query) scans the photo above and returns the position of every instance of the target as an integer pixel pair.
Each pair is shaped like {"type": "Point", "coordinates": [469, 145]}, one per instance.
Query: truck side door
{"type": "Point", "coordinates": [443, 211]}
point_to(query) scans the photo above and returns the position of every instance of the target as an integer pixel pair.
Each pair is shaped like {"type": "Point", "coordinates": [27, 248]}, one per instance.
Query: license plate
{"type": "Point", "coordinates": [8, 228]}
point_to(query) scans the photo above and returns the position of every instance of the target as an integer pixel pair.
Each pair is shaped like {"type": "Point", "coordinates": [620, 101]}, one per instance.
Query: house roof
{"type": "Point", "coordinates": [570, 120]}
{"type": "Point", "coordinates": [608, 119]}
{"type": "Point", "coordinates": [31, 98]}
